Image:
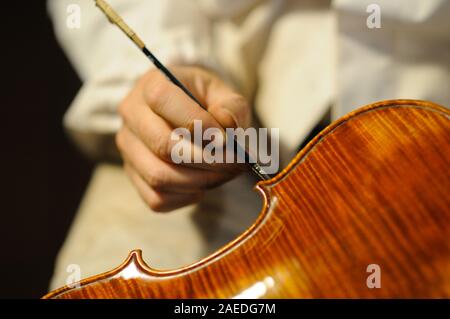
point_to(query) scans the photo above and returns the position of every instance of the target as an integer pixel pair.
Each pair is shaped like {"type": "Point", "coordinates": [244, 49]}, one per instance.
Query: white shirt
{"type": "Point", "coordinates": [292, 58]}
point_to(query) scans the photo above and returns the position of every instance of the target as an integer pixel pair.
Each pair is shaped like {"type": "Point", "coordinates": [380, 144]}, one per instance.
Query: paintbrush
{"type": "Point", "coordinates": [114, 18]}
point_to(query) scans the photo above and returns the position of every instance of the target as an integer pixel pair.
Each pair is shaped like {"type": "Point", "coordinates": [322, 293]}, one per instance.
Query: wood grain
{"type": "Point", "coordinates": [372, 188]}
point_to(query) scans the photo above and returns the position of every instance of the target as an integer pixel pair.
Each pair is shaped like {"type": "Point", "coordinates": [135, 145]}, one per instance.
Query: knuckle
{"type": "Point", "coordinates": [124, 106]}
{"type": "Point", "coordinates": [142, 128]}
{"type": "Point", "coordinates": [156, 178]}
{"type": "Point", "coordinates": [196, 117]}
{"type": "Point", "coordinates": [125, 112]}
{"type": "Point", "coordinates": [190, 124]}
{"type": "Point", "coordinates": [121, 108]}
{"type": "Point", "coordinates": [242, 111]}
{"type": "Point", "coordinates": [240, 101]}
{"type": "Point", "coordinates": [162, 148]}
{"type": "Point", "coordinates": [155, 94]}
{"type": "Point", "coordinates": [119, 139]}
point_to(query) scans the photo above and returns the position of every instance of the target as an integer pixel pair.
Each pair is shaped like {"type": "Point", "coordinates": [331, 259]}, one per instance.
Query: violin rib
{"type": "Point", "coordinates": [361, 212]}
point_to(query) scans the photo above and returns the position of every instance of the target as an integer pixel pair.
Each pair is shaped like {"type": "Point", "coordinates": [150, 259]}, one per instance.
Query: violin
{"type": "Point", "coordinates": [369, 195]}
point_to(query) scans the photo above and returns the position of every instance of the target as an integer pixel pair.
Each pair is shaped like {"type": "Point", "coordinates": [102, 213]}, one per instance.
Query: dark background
{"type": "Point", "coordinates": [43, 175]}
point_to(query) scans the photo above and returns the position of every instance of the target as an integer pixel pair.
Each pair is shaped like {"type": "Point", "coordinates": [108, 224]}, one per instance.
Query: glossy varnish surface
{"type": "Point", "coordinates": [373, 188]}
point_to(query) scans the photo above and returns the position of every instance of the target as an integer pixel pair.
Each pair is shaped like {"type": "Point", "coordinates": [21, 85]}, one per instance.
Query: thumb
{"type": "Point", "coordinates": [228, 107]}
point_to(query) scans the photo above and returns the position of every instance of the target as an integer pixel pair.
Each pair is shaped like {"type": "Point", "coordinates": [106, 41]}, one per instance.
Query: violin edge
{"type": "Point", "coordinates": [266, 184]}
{"type": "Point", "coordinates": [263, 187]}
{"type": "Point", "coordinates": [134, 258]}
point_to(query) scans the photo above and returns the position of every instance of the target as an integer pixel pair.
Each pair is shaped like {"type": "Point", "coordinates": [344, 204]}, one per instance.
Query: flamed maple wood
{"type": "Point", "coordinates": [372, 188]}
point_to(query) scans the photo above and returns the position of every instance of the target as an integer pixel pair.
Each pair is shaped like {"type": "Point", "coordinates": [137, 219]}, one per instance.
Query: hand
{"type": "Point", "coordinates": [151, 111]}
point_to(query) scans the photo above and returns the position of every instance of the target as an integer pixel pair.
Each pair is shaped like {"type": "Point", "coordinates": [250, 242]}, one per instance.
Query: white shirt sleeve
{"type": "Point", "coordinates": [407, 57]}
{"type": "Point", "coordinates": [108, 63]}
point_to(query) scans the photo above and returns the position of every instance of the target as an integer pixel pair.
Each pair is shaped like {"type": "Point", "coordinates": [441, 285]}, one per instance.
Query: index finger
{"type": "Point", "coordinates": [175, 106]}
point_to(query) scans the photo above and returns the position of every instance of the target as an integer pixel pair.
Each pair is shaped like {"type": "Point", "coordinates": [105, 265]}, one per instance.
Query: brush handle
{"type": "Point", "coordinates": [114, 18]}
